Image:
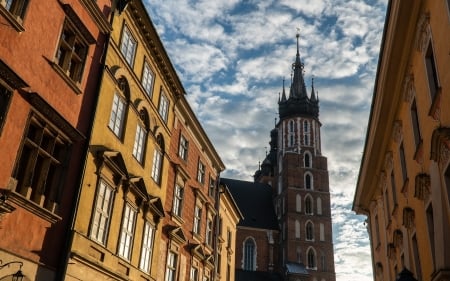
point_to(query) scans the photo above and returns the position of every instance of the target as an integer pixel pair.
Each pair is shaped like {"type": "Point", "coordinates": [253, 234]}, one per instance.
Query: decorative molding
{"type": "Point", "coordinates": [382, 180]}
{"type": "Point", "coordinates": [388, 162]}
{"type": "Point", "coordinates": [422, 187]}
{"type": "Point", "coordinates": [408, 217]}
{"type": "Point", "coordinates": [423, 32]}
{"type": "Point", "coordinates": [409, 90]}
{"type": "Point", "coordinates": [398, 239]}
{"type": "Point", "coordinates": [397, 131]}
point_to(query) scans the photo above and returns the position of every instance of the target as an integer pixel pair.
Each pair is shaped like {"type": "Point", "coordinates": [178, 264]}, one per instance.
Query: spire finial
{"type": "Point", "coordinates": [298, 35]}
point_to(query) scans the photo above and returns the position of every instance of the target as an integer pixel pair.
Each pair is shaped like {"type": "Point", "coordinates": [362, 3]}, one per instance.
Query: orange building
{"type": "Point", "coordinates": [404, 180]}
{"type": "Point", "coordinates": [50, 53]}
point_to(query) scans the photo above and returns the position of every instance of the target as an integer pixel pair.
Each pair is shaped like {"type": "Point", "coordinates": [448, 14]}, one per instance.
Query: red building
{"type": "Point", "coordinates": [50, 62]}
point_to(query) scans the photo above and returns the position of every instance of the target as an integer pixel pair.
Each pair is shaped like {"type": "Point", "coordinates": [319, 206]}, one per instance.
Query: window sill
{"type": "Point", "coordinates": [72, 84]}
{"type": "Point", "coordinates": [178, 220]}
{"type": "Point", "coordinates": [14, 20]}
{"type": "Point", "coordinates": [34, 208]}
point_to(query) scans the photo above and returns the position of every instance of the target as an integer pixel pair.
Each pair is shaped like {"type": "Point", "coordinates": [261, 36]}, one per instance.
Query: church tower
{"type": "Point", "coordinates": [298, 174]}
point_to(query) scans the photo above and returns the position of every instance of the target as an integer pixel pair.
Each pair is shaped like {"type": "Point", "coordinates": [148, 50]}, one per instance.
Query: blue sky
{"type": "Point", "coordinates": [232, 57]}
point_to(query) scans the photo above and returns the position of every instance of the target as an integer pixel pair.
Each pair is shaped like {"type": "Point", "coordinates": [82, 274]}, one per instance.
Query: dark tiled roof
{"type": "Point", "coordinates": [255, 202]}
{"type": "Point", "coordinates": [243, 275]}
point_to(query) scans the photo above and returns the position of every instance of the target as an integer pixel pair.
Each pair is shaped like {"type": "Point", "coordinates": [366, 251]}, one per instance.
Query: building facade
{"type": "Point", "coordinates": [49, 72]}
{"type": "Point", "coordinates": [189, 248]}
{"type": "Point", "coordinates": [297, 172]}
{"type": "Point", "coordinates": [119, 216]}
{"type": "Point", "coordinates": [403, 184]}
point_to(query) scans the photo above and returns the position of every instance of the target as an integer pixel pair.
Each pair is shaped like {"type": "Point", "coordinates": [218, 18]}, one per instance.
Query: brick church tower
{"type": "Point", "coordinates": [298, 174]}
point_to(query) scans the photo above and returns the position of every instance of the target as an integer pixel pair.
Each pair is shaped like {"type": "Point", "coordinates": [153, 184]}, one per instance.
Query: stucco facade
{"type": "Point", "coordinates": [403, 184]}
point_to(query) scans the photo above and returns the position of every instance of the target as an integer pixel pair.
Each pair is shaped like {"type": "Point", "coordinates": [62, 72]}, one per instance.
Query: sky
{"type": "Point", "coordinates": [232, 57]}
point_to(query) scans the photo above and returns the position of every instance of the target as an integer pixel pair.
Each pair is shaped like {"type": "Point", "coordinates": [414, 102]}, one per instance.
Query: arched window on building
{"type": "Point", "coordinates": [309, 231]}
{"type": "Point", "coordinates": [306, 132]}
{"type": "Point", "coordinates": [307, 159]}
{"type": "Point", "coordinates": [249, 254]}
{"type": "Point", "coordinates": [311, 254]}
{"type": "Point", "coordinates": [308, 181]}
{"type": "Point", "coordinates": [308, 205]}
{"type": "Point", "coordinates": [291, 140]}
{"type": "Point", "coordinates": [297, 229]}
{"type": "Point", "coordinates": [298, 203]}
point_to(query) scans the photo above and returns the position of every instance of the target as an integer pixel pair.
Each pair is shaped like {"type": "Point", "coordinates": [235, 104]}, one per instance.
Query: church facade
{"type": "Point", "coordinates": [298, 244]}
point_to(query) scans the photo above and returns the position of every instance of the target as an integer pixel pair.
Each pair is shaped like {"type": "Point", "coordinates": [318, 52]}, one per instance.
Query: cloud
{"type": "Point", "coordinates": [232, 57]}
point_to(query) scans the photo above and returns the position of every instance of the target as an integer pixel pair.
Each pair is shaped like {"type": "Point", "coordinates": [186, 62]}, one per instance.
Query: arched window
{"type": "Point", "coordinates": [307, 160]}
{"type": "Point", "coordinates": [311, 258]}
{"type": "Point", "coordinates": [308, 181]}
{"type": "Point", "coordinates": [308, 205]}
{"type": "Point", "coordinates": [291, 140]}
{"type": "Point", "coordinates": [319, 206]}
{"type": "Point", "coordinates": [298, 203]}
{"type": "Point", "coordinates": [249, 254]}
{"type": "Point", "coordinates": [309, 231]}
{"type": "Point", "coordinates": [297, 229]}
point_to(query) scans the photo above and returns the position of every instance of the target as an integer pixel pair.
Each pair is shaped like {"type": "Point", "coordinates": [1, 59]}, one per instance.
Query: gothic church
{"type": "Point", "coordinates": [286, 233]}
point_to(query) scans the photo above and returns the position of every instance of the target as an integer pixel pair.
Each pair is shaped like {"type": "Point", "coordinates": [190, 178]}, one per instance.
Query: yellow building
{"type": "Point", "coordinates": [123, 189]}
{"type": "Point", "coordinates": [229, 215]}
{"type": "Point", "coordinates": [404, 181]}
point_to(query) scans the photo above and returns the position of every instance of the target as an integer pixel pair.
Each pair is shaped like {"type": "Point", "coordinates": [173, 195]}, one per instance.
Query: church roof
{"type": "Point", "coordinates": [255, 202]}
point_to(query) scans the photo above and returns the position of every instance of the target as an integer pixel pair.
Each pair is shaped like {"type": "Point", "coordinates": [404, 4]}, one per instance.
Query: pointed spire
{"type": "Point", "coordinates": [313, 95]}
{"type": "Point", "coordinates": [298, 84]}
{"type": "Point", "coordinates": [283, 96]}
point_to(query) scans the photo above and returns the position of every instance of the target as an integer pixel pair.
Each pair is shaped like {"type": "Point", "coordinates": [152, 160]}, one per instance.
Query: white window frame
{"type": "Point", "coordinates": [163, 108]}
{"type": "Point", "coordinates": [209, 231]}
{"type": "Point", "coordinates": [127, 232]}
{"type": "Point", "coordinates": [183, 148]}
{"type": "Point", "coordinates": [156, 168]}
{"type": "Point", "coordinates": [148, 238]}
{"type": "Point", "coordinates": [128, 45]}
{"type": "Point", "coordinates": [178, 194]}
{"type": "Point", "coordinates": [171, 266]}
{"type": "Point", "coordinates": [147, 79]}
{"type": "Point", "coordinates": [197, 219]}
{"type": "Point", "coordinates": [201, 172]}
{"type": "Point", "coordinates": [117, 117]}
{"type": "Point", "coordinates": [102, 212]}
{"type": "Point", "coordinates": [139, 143]}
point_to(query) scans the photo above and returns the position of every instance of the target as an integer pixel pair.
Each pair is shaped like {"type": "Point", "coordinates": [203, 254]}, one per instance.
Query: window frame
{"type": "Point", "coordinates": [431, 71]}
{"type": "Point", "coordinates": [209, 232]}
{"type": "Point", "coordinates": [157, 166]}
{"type": "Point", "coordinates": [178, 196]}
{"type": "Point", "coordinates": [127, 232]}
{"type": "Point", "coordinates": [163, 107]}
{"type": "Point", "coordinates": [148, 239]}
{"type": "Point", "coordinates": [116, 121]}
{"type": "Point", "coordinates": [171, 266]}
{"type": "Point", "coordinates": [104, 211]}
{"type": "Point", "coordinates": [197, 219]}
{"type": "Point", "coordinates": [201, 172]}
{"type": "Point", "coordinates": [139, 143]}
{"type": "Point", "coordinates": [183, 147]}
{"type": "Point", "coordinates": [249, 256]}
{"type": "Point", "coordinates": [15, 13]}
{"type": "Point", "coordinates": [126, 39]}
{"type": "Point", "coordinates": [147, 83]}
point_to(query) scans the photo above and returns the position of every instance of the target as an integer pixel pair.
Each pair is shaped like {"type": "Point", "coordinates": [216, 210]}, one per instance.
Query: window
{"type": "Point", "coordinates": [297, 229]}
{"type": "Point", "coordinates": [249, 255]}
{"type": "Point", "coordinates": [298, 203]}
{"type": "Point", "coordinates": [308, 181]}
{"type": "Point", "coordinates": [72, 52]}
{"type": "Point", "coordinates": [16, 7]}
{"type": "Point", "coordinates": [415, 124]}
{"type": "Point", "coordinates": [307, 159]}
{"type": "Point", "coordinates": [306, 132]}
{"type": "Point", "coordinates": [403, 163]}
{"type": "Point", "coordinates": [197, 219]}
{"type": "Point", "coordinates": [163, 108]}
{"type": "Point", "coordinates": [201, 172]}
{"type": "Point", "coordinates": [5, 98]}
{"type": "Point", "coordinates": [127, 232]}
{"type": "Point", "coordinates": [147, 247]}
{"type": "Point", "coordinates": [308, 205]}
{"type": "Point", "coordinates": [116, 120]}
{"type": "Point", "coordinates": [229, 237]}
{"type": "Point", "coordinates": [128, 46]}
{"type": "Point", "coordinates": [311, 259]}
{"type": "Point", "coordinates": [183, 149]}
{"type": "Point", "coordinates": [393, 188]}
{"type": "Point", "coordinates": [194, 274]}
{"type": "Point", "coordinates": [157, 165]}
{"type": "Point", "coordinates": [102, 212]}
{"type": "Point", "coordinates": [323, 262]}
{"type": "Point", "coordinates": [309, 231]}
{"type": "Point", "coordinates": [212, 187]}
{"type": "Point", "coordinates": [147, 79]}
{"type": "Point", "coordinates": [40, 167]}
{"type": "Point", "coordinates": [291, 141]}
{"type": "Point", "coordinates": [171, 267]}
{"type": "Point", "coordinates": [433, 82]}
{"type": "Point", "coordinates": [139, 143]}
{"type": "Point", "coordinates": [209, 232]}
{"type": "Point", "coordinates": [319, 206]}
{"type": "Point", "coordinates": [177, 200]}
